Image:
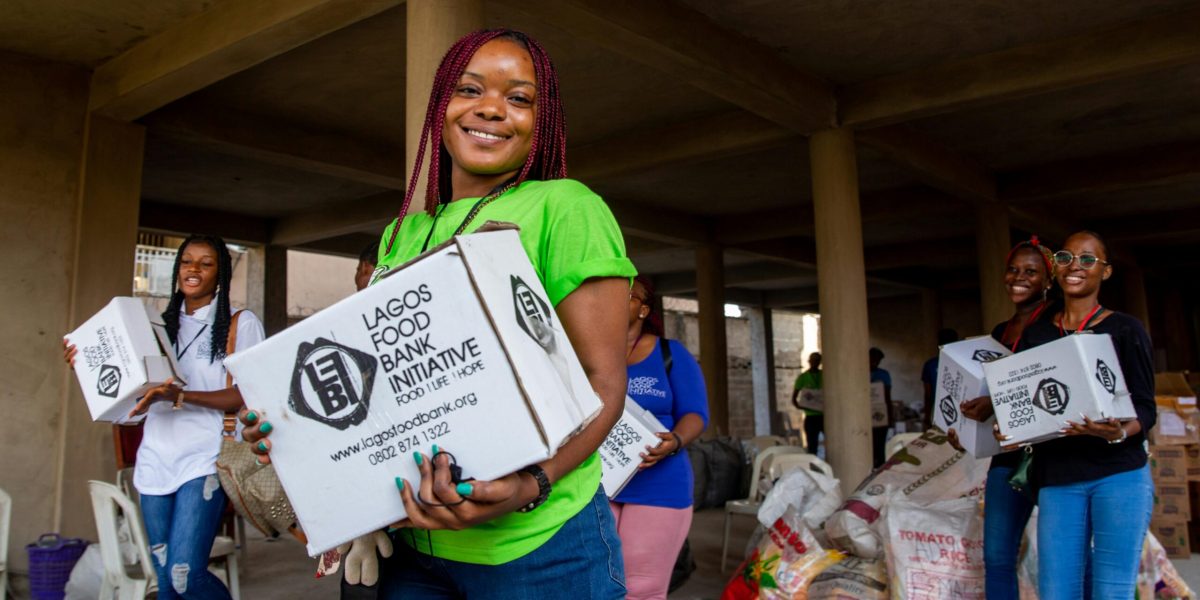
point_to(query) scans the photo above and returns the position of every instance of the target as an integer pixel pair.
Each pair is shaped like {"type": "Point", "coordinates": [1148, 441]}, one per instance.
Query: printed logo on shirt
{"type": "Point", "coordinates": [646, 385]}
{"type": "Point", "coordinates": [109, 381]}
{"type": "Point", "coordinates": [983, 355]}
{"type": "Point", "coordinates": [533, 313]}
{"type": "Point", "coordinates": [332, 383]}
{"type": "Point", "coordinates": [378, 274]}
{"type": "Point", "coordinates": [1052, 396]}
{"type": "Point", "coordinates": [949, 411]}
{"type": "Point", "coordinates": [1106, 377]}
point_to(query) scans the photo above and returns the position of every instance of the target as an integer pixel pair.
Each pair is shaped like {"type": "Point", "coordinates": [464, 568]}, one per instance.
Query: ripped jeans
{"type": "Point", "coordinates": [181, 528]}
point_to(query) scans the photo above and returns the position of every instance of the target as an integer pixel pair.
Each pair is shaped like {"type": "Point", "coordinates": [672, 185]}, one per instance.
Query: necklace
{"type": "Point", "coordinates": [479, 204]}
{"type": "Point", "coordinates": [1086, 320]}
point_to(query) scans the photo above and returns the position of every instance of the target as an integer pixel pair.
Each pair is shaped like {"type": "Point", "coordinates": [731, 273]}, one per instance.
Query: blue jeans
{"type": "Point", "coordinates": [582, 561]}
{"type": "Point", "coordinates": [180, 528]}
{"type": "Point", "coordinates": [1005, 513]}
{"type": "Point", "coordinates": [1107, 518]}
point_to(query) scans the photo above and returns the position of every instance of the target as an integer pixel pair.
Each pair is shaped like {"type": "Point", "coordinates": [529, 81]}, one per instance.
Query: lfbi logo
{"type": "Point", "coordinates": [986, 355]}
{"type": "Point", "coordinates": [109, 381]}
{"type": "Point", "coordinates": [332, 383]}
{"type": "Point", "coordinates": [1106, 377]}
{"type": "Point", "coordinates": [949, 411]}
{"type": "Point", "coordinates": [533, 313]}
{"type": "Point", "coordinates": [1052, 396]}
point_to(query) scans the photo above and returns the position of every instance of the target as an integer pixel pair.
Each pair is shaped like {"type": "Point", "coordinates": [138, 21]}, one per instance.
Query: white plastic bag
{"type": "Point", "coordinates": [935, 550]}
{"type": "Point", "coordinates": [927, 470]}
{"type": "Point", "coordinates": [87, 576]}
{"type": "Point", "coordinates": [813, 495]}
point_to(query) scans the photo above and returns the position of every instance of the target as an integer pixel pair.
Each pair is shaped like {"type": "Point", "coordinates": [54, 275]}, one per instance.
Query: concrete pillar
{"type": "Point", "coordinates": [433, 26]}
{"type": "Point", "coordinates": [256, 280]}
{"type": "Point", "coordinates": [993, 241]}
{"type": "Point", "coordinates": [842, 292]}
{"type": "Point", "coordinates": [106, 238]}
{"type": "Point", "coordinates": [275, 296]}
{"type": "Point", "coordinates": [1134, 283]}
{"type": "Point", "coordinates": [710, 292]}
{"type": "Point", "coordinates": [762, 358]}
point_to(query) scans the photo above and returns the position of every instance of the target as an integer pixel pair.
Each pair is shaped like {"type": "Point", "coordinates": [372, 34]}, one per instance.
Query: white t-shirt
{"type": "Point", "coordinates": [181, 445]}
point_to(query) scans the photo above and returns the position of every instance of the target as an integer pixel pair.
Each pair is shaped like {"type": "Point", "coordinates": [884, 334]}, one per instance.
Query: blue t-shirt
{"type": "Point", "coordinates": [881, 375]}
{"type": "Point", "coordinates": [667, 484]}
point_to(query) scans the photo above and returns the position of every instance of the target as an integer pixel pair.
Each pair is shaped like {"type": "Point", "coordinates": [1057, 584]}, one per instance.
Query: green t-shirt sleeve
{"type": "Point", "coordinates": [582, 241]}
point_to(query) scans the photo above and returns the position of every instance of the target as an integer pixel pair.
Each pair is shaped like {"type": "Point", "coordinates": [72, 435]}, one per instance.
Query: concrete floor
{"type": "Point", "coordinates": [280, 569]}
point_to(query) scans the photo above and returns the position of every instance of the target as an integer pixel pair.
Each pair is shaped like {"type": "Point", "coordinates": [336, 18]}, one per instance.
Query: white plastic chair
{"type": "Point", "coordinates": [780, 465]}
{"type": "Point", "coordinates": [749, 505]}
{"type": "Point", "coordinates": [5, 521]}
{"type": "Point", "coordinates": [119, 583]}
{"type": "Point", "coordinates": [899, 441]}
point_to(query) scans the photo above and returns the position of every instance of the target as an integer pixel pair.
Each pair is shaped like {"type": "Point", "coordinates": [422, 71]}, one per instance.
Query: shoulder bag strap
{"type": "Point", "coordinates": [230, 421]}
{"type": "Point", "coordinates": [665, 347]}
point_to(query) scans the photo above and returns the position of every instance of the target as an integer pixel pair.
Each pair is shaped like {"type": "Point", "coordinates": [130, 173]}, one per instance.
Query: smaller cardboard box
{"type": "Point", "coordinates": [811, 399]}
{"type": "Point", "coordinates": [961, 378]}
{"type": "Point", "coordinates": [879, 407]}
{"type": "Point", "coordinates": [1173, 535]}
{"type": "Point", "coordinates": [1193, 461]}
{"type": "Point", "coordinates": [620, 454]}
{"type": "Point", "coordinates": [1172, 501]}
{"type": "Point", "coordinates": [1177, 423]}
{"type": "Point", "coordinates": [1169, 464]}
{"type": "Point", "coordinates": [121, 356]}
{"type": "Point", "coordinates": [1035, 391]}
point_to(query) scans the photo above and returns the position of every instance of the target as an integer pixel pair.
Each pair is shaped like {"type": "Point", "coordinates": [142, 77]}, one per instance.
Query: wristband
{"type": "Point", "coordinates": [678, 443]}
{"type": "Point", "coordinates": [543, 487]}
{"type": "Point", "coordinates": [1124, 436]}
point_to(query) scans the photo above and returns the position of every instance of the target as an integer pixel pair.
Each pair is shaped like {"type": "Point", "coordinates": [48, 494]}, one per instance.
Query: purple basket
{"type": "Point", "coordinates": [51, 559]}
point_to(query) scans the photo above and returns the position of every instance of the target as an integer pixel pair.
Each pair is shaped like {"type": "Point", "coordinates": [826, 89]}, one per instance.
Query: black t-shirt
{"type": "Point", "coordinates": [1087, 458]}
{"type": "Point", "coordinates": [1013, 458]}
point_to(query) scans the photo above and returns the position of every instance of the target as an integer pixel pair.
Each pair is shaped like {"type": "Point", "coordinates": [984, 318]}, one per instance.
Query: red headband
{"type": "Point", "coordinates": [1032, 242]}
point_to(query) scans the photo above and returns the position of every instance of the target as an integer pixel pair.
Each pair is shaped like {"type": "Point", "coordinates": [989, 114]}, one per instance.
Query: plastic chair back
{"type": "Point", "coordinates": [762, 459]}
{"type": "Point", "coordinates": [5, 522]}
{"type": "Point", "coordinates": [763, 442]}
{"type": "Point", "coordinates": [781, 464]}
{"type": "Point", "coordinates": [106, 501]}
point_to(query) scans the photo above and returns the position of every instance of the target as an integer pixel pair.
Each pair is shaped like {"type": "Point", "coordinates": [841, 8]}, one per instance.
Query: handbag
{"type": "Point", "coordinates": [253, 489]}
{"type": "Point", "coordinates": [1021, 479]}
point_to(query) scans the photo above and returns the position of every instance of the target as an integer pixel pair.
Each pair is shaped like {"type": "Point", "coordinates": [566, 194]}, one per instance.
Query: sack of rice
{"type": "Point", "coordinates": [782, 565]}
{"type": "Point", "coordinates": [935, 550]}
{"type": "Point", "coordinates": [851, 579]}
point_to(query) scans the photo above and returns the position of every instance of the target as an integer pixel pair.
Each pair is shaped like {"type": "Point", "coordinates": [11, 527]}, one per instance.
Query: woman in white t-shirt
{"type": "Point", "coordinates": [182, 499]}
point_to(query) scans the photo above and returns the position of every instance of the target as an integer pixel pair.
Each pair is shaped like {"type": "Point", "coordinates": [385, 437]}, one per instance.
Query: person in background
{"type": "Point", "coordinates": [1095, 493]}
{"type": "Point", "coordinates": [175, 472]}
{"type": "Point", "coordinates": [367, 260]}
{"type": "Point", "coordinates": [929, 375]}
{"type": "Point", "coordinates": [654, 510]}
{"type": "Point", "coordinates": [814, 420]}
{"type": "Point", "coordinates": [1028, 278]}
{"type": "Point", "coordinates": [879, 434]}
{"type": "Point", "coordinates": [496, 137]}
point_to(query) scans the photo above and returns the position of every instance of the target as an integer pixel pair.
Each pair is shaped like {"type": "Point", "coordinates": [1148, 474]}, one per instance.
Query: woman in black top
{"type": "Point", "coordinates": [1027, 279]}
{"type": "Point", "coordinates": [1095, 489]}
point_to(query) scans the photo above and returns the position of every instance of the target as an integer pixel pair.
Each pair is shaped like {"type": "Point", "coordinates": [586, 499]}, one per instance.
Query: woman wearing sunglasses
{"type": "Point", "coordinates": [1095, 493]}
{"type": "Point", "coordinates": [1028, 277]}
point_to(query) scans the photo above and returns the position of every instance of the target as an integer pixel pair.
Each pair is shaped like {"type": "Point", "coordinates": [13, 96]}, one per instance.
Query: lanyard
{"type": "Point", "coordinates": [1084, 325]}
{"type": "Point", "coordinates": [179, 354]}
{"type": "Point", "coordinates": [1032, 317]}
{"type": "Point", "coordinates": [479, 204]}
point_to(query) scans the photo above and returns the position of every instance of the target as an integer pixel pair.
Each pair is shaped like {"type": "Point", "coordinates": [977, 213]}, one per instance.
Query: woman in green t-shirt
{"type": "Point", "coordinates": [497, 136]}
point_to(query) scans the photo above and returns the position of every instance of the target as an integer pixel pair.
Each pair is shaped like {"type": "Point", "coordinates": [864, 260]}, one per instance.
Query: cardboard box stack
{"type": "Point", "coordinates": [1175, 465]}
{"type": "Point", "coordinates": [458, 348]}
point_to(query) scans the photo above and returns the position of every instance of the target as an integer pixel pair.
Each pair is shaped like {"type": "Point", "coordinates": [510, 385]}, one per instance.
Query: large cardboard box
{"type": "Point", "coordinates": [1173, 535]}
{"type": "Point", "coordinates": [1177, 422]}
{"type": "Point", "coordinates": [1036, 390]}
{"type": "Point", "coordinates": [458, 348]}
{"type": "Point", "coordinates": [121, 356]}
{"type": "Point", "coordinates": [961, 378]}
{"type": "Point", "coordinates": [620, 454]}
{"type": "Point", "coordinates": [879, 407]}
{"type": "Point", "coordinates": [1172, 501]}
{"type": "Point", "coordinates": [1169, 464]}
{"type": "Point", "coordinates": [1193, 462]}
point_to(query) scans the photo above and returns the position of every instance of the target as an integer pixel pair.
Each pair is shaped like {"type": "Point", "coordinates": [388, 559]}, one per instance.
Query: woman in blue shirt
{"type": "Point", "coordinates": [654, 510]}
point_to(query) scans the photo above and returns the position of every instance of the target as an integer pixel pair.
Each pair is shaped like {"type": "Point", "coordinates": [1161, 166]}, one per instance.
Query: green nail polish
{"type": "Point", "coordinates": [400, 484]}
{"type": "Point", "coordinates": [266, 427]}
{"type": "Point", "coordinates": [262, 446]}
{"type": "Point", "coordinates": [435, 449]}
{"type": "Point", "coordinates": [464, 489]}
{"type": "Point", "coordinates": [417, 457]}
{"type": "Point", "coordinates": [393, 529]}
{"type": "Point", "coordinates": [251, 417]}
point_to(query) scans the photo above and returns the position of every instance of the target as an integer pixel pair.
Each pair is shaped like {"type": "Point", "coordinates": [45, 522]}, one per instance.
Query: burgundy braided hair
{"type": "Point", "coordinates": [1033, 242]}
{"type": "Point", "coordinates": [548, 146]}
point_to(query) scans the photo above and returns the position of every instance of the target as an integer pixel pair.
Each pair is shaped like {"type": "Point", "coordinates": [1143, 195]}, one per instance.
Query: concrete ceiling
{"type": "Point", "coordinates": [691, 161]}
